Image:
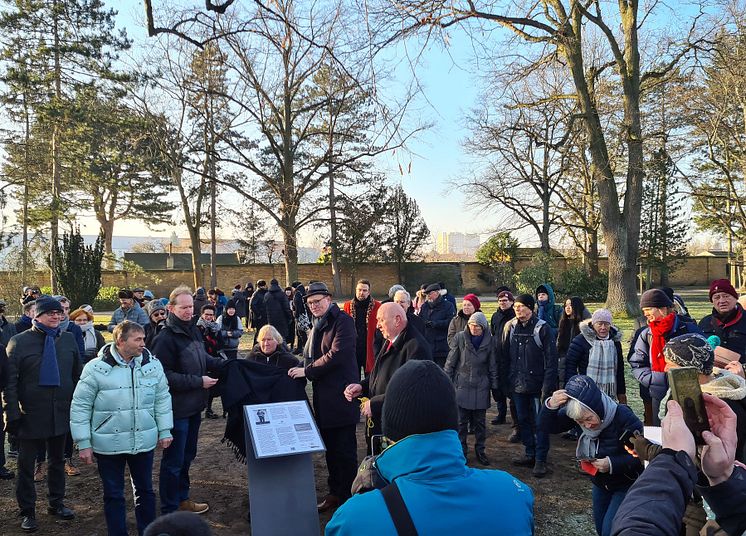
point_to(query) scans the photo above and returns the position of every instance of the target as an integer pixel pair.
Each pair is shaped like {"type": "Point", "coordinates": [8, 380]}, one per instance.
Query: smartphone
{"type": "Point", "coordinates": [378, 443]}
{"type": "Point", "coordinates": [626, 438]}
{"type": "Point", "coordinates": [684, 384]}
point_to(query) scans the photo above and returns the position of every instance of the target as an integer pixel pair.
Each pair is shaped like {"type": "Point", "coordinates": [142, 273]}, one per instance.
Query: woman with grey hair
{"type": "Point", "coordinates": [600, 450]}
{"type": "Point", "coordinates": [472, 367]}
{"type": "Point", "coordinates": [270, 349]}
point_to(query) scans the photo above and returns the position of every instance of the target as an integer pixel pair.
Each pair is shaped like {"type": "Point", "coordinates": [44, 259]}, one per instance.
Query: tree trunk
{"type": "Point", "coordinates": [213, 238]}
{"type": "Point", "coordinates": [592, 255]}
{"type": "Point", "coordinates": [27, 161]}
{"type": "Point", "coordinates": [196, 247]}
{"type": "Point", "coordinates": [291, 248]}
{"type": "Point", "coordinates": [56, 179]}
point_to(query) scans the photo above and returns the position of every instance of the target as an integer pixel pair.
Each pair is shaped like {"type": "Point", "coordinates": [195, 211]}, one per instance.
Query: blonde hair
{"type": "Point", "coordinates": [269, 328]}
{"type": "Point", "coordinates": [178, 291]}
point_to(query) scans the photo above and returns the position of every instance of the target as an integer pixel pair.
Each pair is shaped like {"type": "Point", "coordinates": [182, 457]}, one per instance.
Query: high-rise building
{"type": "Point", "coordinates": [456, 243]}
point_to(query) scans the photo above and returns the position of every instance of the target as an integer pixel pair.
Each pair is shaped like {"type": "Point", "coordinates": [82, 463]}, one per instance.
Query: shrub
{"type": "Point", "coordinates": [538, 272]}
{"type": "Point", "coordinates": [576, 281]}
{"type": "Point", "coordinates": [107, 299]}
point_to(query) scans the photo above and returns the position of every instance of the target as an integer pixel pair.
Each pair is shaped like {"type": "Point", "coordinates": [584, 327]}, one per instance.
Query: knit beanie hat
{"type": "Point", "coordinates": [479, 318]}
{"type": "Point", "coordinates": [45, 304]}
{"type": "Point", "coordinates": [230, 305]}
{"type": "Point", "coordinates": [722, 285]}
{"type": "Point", "coordinates": [420, 399]}
{"type": "Point", "coordinates": [472, 298]}
{"type": "Point", "coordinates": [527, 300]}
{"type": "Point", "coordinates": [601, 315]}
{"type": "Point", "coordinates": [154, 306]}
{"type": "Point", "coordinates": [690, 350]}
{"type": "Point", "coordinates": [506, 294]}
{"type": "Point", "coordinates": [655, 297]}
{"type": "Point", "coordinates": [125, 294]}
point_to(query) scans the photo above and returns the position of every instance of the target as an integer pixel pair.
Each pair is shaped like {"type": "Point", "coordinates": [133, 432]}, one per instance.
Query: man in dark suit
{"type": "Point", "coordinates": [333, 363]}
{"type": "Point", "coordinates": [402, 343]}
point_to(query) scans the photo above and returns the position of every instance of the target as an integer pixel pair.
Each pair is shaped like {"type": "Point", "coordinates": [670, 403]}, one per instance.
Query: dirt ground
{"type": "Point", "coordinates": [563, 498]}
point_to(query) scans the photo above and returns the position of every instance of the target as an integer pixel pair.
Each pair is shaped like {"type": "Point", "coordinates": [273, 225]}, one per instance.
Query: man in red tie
{"type": "Point", "coordinates": [402, 344]}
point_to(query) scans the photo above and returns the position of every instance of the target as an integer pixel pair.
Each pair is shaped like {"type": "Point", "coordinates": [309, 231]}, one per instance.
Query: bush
{"type": "Point", "coordinates": [498, 275]}
{"type": "Point", "coordinates": [107, 299]}
{"type": "Point", "coordinates": [576, 281]}
{"type": "Point", "coordinates": [538, 272]}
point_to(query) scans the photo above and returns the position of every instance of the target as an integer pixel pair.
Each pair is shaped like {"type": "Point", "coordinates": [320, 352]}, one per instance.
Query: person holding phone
{"type": "Point", "coordinates": [603, 423]}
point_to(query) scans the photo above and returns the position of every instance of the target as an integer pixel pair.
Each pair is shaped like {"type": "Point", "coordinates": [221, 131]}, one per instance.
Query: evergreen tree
{"type": "Point", "coordinates": [665, 225]}
{"type": "Point", "coordinates": [77, 267]}
{"type": "Point", "coordinates": [405, 230]}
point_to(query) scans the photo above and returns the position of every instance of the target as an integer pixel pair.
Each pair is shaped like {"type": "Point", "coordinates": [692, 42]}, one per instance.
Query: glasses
{"type": "Point", "coordinates": [313, 303]}
{"type": "Point", "coordinates": [159, 313]}
{"type": "Point", "coordinates": [55, 313]}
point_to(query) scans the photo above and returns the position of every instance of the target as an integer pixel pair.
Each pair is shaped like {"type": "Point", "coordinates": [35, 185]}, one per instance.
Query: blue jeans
{"type": "Point", "coordinates": [535, 441]}
{"type": "Point", "coordinates": [111, 469]}
{"type": "Point", "coordinates": [175, 463]}
{"type": "Point", "coordinates": [605, 505]}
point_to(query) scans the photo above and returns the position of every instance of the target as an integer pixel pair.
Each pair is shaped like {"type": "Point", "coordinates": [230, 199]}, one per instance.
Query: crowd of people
{"type": "Point", "coordinates": [421, 371]}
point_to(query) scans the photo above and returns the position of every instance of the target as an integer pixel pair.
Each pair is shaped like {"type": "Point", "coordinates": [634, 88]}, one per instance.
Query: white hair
{"type": "Point", "coordinates": [576, 410]}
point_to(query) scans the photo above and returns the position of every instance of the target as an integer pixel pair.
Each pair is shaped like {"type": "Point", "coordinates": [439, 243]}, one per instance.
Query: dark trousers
{"type": "Point", "coordinates": [2, 449]}
{"type": "Point", "coordinates": [341, 459]}
{"type": "Point", "coordinates": [477, 419]}
{"type": "Point", "coordinates": [25, 489]}
{"type": "Point", "coordinates": [111, 470]}
{"type": "Point", "coordinates": [534, 439]}
{"type": "Point", "coordinates": [302, 338]}
{"type": "Point", "coordinates": [513, 414]}
{"type": "Point", "coordinates": [605, 505]}
{"type": "Point", "coordinates": [175, 463]}
{"type": "Point", "coordinates": [42, 455]}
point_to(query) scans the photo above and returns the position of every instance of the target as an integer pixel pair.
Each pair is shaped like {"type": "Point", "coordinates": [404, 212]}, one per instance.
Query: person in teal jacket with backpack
{"type": "Point", "coordinates": [425, 486]}
{"type": "Point", "coordinates": [121, 410]}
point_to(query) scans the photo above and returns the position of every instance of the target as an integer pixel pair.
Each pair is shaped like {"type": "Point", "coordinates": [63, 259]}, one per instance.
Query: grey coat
{"type": "Point", "coordinates": [44, 411]}
{"type": "Point", "coordinates": [473, 372]}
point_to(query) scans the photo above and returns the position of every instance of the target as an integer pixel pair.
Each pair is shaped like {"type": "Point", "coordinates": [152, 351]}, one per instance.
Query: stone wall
{"type": "Point", "coordinates": [459, 277]}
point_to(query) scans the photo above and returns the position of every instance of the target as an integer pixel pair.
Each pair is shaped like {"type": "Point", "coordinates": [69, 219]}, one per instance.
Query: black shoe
{"type": "Point", "coordinates": [524, 461]}
{"type": "Point", "coordinates": [500, 419]}
{"type": "Point", "coordinates": [540, 469]}
{"type": "Point", "coordinates": [515, 436]}
{"type": "Point", "coordinates": [61, 511]}
{"type": "Point", "coordinates": [5, 474]}
{"type": "Point", "coordinates": [209, 414]}
{"type": "Point", "coordinates": [482, 458]}
{"type": "Point", "coordinates": [29, 524]}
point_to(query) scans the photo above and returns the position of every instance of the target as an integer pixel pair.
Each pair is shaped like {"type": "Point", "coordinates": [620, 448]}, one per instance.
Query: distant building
{"type": "Point", "coordinates": [456, 243]}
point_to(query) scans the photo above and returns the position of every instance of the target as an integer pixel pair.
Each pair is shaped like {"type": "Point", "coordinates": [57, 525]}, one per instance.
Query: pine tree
{"type": "Point", "coordinates": [77, 267]}
{"type": "Point", "coordinates": [405, 229]}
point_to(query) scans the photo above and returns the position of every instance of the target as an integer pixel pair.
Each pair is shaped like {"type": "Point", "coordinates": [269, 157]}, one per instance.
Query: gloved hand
{"type": "Point", "coordinates": [645, 449]}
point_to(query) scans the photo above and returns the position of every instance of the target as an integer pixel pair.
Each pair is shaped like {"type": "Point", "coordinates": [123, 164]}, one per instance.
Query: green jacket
{"type": "Point", "coordinates": [118, 409]}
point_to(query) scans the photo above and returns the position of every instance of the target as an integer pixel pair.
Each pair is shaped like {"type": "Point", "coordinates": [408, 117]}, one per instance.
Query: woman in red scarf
{"type": "Point", "coordinates": [647, 362]}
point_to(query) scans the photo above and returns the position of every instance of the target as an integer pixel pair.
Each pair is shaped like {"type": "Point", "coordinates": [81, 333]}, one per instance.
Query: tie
{"type": "Point", "coordinates": [389, 346]}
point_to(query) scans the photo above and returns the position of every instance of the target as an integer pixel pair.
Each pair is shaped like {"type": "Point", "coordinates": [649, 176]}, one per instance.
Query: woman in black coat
{"type": "Point", "coordinates": [278, 309]}
{"type": "Point", "coordinates": [573, 314]}
{"type": "Point", "coordinates": [271, 350]}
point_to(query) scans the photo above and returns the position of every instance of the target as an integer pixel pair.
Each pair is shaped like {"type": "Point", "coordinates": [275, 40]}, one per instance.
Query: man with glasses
{"type": "Point", "coordinates": [500, 318]}
{"type": "Point", "coordinates": [332, 365]}
{"type": "Point", "coordinates": [44, 364]}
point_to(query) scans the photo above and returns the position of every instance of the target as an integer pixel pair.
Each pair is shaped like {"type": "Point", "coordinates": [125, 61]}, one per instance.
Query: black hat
{"type": "Point", "coordinates": [230, 305]}
{"type": "Point", "coordinates": [690, 350]}
{"type": "Point", "coordinates": [655, 297]}
{"type": "Point", "coordinates": [432, 287]}
{"type": "Point", "coordinates": [317, 289]}
{"type": "Point", "coordinates": [261, 283]}
{"type": "Point", "coordinates": [45, 304]}
{"type": "Point", "coordinates": [526, 299]}
{"type": "Point", "coordinates": [420, 399]}
{"type": "Point", "coordinates": [125, 294]}
{"type": "Point", "coordinates": [138, 289]}
{"type": "Point", "coordinates": [502, 288]}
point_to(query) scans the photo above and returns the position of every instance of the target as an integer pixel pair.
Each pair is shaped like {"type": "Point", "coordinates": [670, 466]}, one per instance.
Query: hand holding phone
{"type": "Point", "coordinates": [685, 389]}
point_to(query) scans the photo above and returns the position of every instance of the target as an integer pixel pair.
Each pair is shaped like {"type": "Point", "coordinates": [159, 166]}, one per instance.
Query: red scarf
{"type": "Point", "coordinates": [728, 323]}
{"type": "Point", "coordinates": [659, 329]}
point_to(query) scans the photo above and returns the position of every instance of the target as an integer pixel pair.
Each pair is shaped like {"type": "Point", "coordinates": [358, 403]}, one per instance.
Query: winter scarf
{"type": "Point", "coordinates": [89, 336]}
{"type": "Point", "coordinates": [588, 442]}
{"type": "Point", "coordinates": [728, 320]}
{"type": "Point", "coordinates": [476, 340]}
{"type": "Point", "coordinates": [659, 329]}
{"type": "Point", "coordinates": [209, 326]}
{"type": "Point", "coordinates": [229, 323]}
{"type": "Point", "coordinates": [49, 370]}
{"type": "Point", "coordinates": [601, 359]}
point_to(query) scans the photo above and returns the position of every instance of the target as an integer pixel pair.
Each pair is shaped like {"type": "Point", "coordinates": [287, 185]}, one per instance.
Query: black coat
{"type": "Point", "coordinates": [277, 307]}
{"type": "Point", "coordinates": [732, 337]}
{"type": "Point", "coordinates": [44, 411]}
{"type": "Point", "coordinates": [437, 317]}
{"type": "Point", "coordinates": [530, 369]}
{"type": "Point", "coordinates": [299, 304]}
{"type": "Point", "coordinates": [239, 298]}
{"type": "Point", "coordinates": [281, 357]}
{"type": "Point", "coordinates": [185, 360]}
{"type": "Point", "coordinates": [410, 344]}
{"type": "Point", "coordinates": [334, 368]}
{"type": "Point", "coordinates": [257, 309]}
{"type": "Point", "coordinates": [3, 368]}
{"type": "Point", "coordinates": [7, 330]}
{"type": "Point", "coordinates": [416, 322]}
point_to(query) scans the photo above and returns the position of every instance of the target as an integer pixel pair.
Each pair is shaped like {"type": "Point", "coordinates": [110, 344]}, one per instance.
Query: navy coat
{"type": "Point", "coordinates": [437, 317]}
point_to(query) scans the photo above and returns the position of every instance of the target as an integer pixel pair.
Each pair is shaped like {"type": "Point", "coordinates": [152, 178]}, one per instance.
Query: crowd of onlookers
{"type": "Point", "coordinates": [421, 369]}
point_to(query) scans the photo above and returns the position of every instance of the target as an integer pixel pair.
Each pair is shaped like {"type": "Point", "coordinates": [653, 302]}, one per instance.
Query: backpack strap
{"type": "Point", "coordinates": [398, 510]}
{"type": "Point", "coordinates": [537, 335]}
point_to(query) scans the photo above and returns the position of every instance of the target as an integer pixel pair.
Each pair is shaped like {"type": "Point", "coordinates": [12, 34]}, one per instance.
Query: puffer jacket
{"type": "Point", "coordinates": [440, 492]}
{"type": "Point", "coordinates": [118, 409]}
{"type": "Point", "coordinates": [576, 360]}
{"type": "Point", "coordinates": [232, 342]}
{"type": "Point", "coordinates": [732, 333]}
{"type": "Point", "coordinates": [437, 317]}
{"type": "Point", "coordinates": [625, 468]}
{"type": "Point", "coordinates": [639, 359]}
{"type": "Point", "coordinates": [133, 314]}
{"type": "Point", "coordinates": [529, 368]}
{"type": "Point", "coordinates": [473, 372]}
